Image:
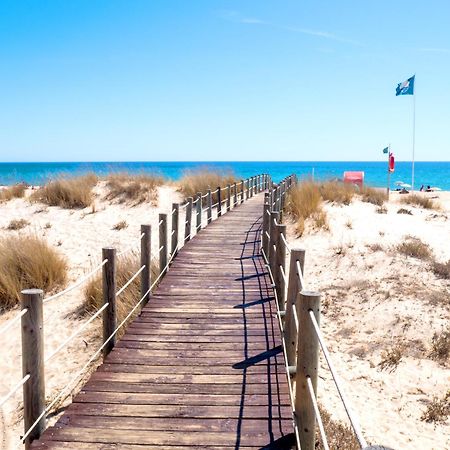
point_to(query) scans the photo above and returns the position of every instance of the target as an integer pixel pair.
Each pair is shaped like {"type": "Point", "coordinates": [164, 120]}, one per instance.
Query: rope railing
{"type": "Point", "coordinates": [78, 283]}
{"type": "Point", "coordinates": [298, 314]}
{"type": "Point", "coordinates": [34, 419]}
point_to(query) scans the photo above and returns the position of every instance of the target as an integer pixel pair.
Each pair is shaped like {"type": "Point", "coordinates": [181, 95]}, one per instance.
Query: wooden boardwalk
{"type": "Point", "coordinates": [202, 366]}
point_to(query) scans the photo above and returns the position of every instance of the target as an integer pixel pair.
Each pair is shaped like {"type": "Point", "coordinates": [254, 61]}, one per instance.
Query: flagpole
{"type": "Point", "coordinates": [388, 171]}
{"type": "Point", "coordinates": [414, 136]}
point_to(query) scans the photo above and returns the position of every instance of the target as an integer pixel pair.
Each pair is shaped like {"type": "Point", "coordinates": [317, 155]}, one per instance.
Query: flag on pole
{"type": "Point", "coordinates": [406, 88]}
{"type": "Point", "coordinates": [391, 162]}
{"type": "Point", "coordinates": [386, 150]}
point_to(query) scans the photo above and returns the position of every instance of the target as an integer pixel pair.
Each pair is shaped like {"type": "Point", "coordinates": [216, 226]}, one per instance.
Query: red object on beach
{"type": "Point", "coordinates": [391, 162]}
{"type": "Point", "coordinates": [354, 178]}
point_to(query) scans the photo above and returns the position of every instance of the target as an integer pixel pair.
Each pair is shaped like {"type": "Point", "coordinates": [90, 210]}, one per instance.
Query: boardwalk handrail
{"type": "Point", "coordinates": [299, 318]}
{"type": "Point", "coordinates": [35, 411]}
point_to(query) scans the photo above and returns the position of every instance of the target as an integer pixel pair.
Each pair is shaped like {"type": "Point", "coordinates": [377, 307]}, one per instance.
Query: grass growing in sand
{"type": "Point", "coordinates": [136, 189]}
{"type": "Point", "coordinates": [391, 357]}
{"type": "Point", "coordinates": [17, 224]}
{"type": "Point", "coordinates": [437, 410]}
{"type": "Point", "coordinates": [440, 346]}
{"type": "Point", "coordinates": [441, 270]}
{"type": "Point", "coordinates": [304, 202]}
{"type": "Point", "coordinates": [28, 262]}
{"type": "Point", "coordinates": [375, 196]}
{"type": "Point", "coordinates": [120, 225]}
{"type": "Point", "coordinates": [337, 192]}
{"type": "Point", "coordinates": [126, 267]}
{"type": "Point", "coordinates": [10, 192]}
{"type": "Point", "coordinates": [414, 247]}
{"type": "Point", "coordinates": [201, 180]}
{"type": "Point", "coordinates": [420, 201]}
{"type": "Point", "coordinates": [70, 193]}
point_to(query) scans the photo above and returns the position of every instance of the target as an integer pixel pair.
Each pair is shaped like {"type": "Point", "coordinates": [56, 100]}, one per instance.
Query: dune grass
{"type": "Point", "coordinates": [135, 189]}
{"type": "Point", "coordinates": [28, 262]}
{"type": "Point", "coordinates": [337, 192]}
{"type": "Point", "coordinates": [304, 202]}
{"type": "Point", "coordinates": [17, 224]}
{"type": "Point", "coordinates": [441, 270]}
{"type": "Point", "coordinates": [438, 410]}
{"type": "Point", "coordinates": [126, 267]}
{"type": "Point", "coordinates": [201, 180]}
{"type": "Point", "coordinates": [420, 201]}
{"type": "Point", "coordinates": [414, 247]}
{"type": "Point", "coordinates": [68, 193]}
{"type": "Point", "coordinates": [371, 195]}
{"type": "Point", "coordinates": [10, 192]}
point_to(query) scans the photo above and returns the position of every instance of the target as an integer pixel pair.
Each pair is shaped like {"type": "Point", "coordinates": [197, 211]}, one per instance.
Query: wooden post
{"type": "Point", "coordinates": [199, 210]}
{"type": "Point", "coordinates": [247, 188]}
{"type": "Point", "coordinates": [242, 190]}
{"type": "Point", "coordinates": [109, 296]}
{"type": "Point", "coordinates": [307, 366]}
{"type": "Point", "coordinates": [228, 197]}
{"type": "Point", "coordinates": [251, 182]}
{"type": "Point", "coordinates": [146, 245]}
{"type": "Point", "coordinates": [187, 222]}
{"type": "Point", "coordinates": [235, 200]}
{"type": "Point", "coordinates": [219, 202]}
{"type": "Point", "coordinates": [280, 261]}
{"type": "Point", "coordinates": [33, 363]}
{"type": "Point", "coordinates": [175, 219]}
{"type": "Point", "coordinates": [274, 217]}
{"type": "Point", "coordinates": [163, 247]}
{"type": "Point", "coordinates": [266, 224]}
{"type": "Point", "coordinates": [294, 288]}
{"type": "Point", "coordinates": [209, 206]}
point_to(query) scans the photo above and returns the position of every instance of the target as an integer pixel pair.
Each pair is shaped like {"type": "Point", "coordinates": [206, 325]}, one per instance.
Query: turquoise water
{"type": "Point", "coordinates": [426, 173]}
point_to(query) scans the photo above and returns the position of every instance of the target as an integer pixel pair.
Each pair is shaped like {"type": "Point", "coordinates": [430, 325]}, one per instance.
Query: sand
{"type": "Point", "coordinates": [376, 299]}
{"type": "Point", "coordinates": [79, 235]}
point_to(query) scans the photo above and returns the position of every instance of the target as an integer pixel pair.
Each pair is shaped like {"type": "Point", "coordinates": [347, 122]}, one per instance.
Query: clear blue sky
{"type": "Point", "coordinates": [222, 80]}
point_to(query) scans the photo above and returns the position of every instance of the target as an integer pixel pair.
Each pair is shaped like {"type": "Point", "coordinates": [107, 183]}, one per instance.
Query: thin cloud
{"type": "Point", "coordinates": [237, 17]}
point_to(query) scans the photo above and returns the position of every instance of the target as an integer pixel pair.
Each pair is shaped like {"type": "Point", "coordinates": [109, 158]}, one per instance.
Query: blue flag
{"type": "Point", "coordinates": [406, 88]}
{"type": "Point", "coordinates": [385, 150]}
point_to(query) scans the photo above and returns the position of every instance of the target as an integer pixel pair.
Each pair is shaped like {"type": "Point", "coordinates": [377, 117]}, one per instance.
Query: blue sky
{"type": "Point", "coordinates": [222, 80]}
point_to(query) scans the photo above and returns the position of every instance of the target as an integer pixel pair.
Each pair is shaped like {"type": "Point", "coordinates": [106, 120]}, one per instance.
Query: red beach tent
{"type": "Point", "coordinates": [354, 178]}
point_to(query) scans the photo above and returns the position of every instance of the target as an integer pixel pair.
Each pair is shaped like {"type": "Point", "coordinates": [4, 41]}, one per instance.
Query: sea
{"type": "Point", "coordinates": [434, 174]}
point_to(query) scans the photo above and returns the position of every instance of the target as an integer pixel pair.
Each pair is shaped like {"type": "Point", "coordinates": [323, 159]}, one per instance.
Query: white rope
{"type": "Point", "coordinates": [160, 222]}
{"type": "Point", "coordinates": [174, 210]}
{"type": "Point", "coordinates": [14, 389]}
{"type": "Point", "coordinates": [337, 382]}
{"type": "Point", "coordinates": [130, 280]}
{"type": "Point", "coordinates": [78, 283]}
{"type": "Point", "coordinates": [12, 321]}
{"type": "Point", "coordinates": [294, 314]}
{"type": "Point", "coordinates": [213, 192]}
{"type": "Point", "coordinates": [283, 274]}
{"type": "Point", "coordinates": [268, 235]}
{"type": "Point", "coordinates": [204, 196]}
{"type": "Point", "coordinates": [215, 204]}
{"type": "Point", "coordinates": [131, 247]}
{"type": "Point", "coordinates": [160, 248]}
{"type": "Point", "coordinates": [300, 276]}
{"type": "Point", "coordinates": [184, 205]}
{"type": "Point", "coordinates": [75, 333]}
{"type": "Point", "coordinates": [318, 416]}
{"type": "Point", "coordinates": [173, 232]}
{"type": "Point", "coordinates": [285, 243]}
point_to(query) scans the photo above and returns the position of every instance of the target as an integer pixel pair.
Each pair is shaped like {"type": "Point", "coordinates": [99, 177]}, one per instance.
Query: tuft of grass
{"type": "Point", "coordinates": [201, 180]}
{"type": "Point", "coordinates": [340, 436]}
{"type": "Point", "coordinates": [136, 189]}
{"type": "Point", "coordinates": [404, 211]}
{"type": "Point", "coordinates": [304, 202]}
{"type": "Point", "coordinates": [126, 267]}
{"type": "Point", "coordinates": [381, 210]}
{"type": "Point", "coordinates": [441, 270]}
{"type": "Point", "coordinates": [349, 224]}
{"type": "Point", "coordinates": [375, 196]}
{"type": "Point", "coordinates": [376, 247]}
{"type": "Point", "coordinates": [10, 192]}
{"type": "Point", "coordinates": [70, 193]}
{"type": "Point", "coordinates": [48, 225]}
{"type": "Point", "coordinates": [391, 357]}
{"type": "Point", "coordinates": [120, 225]}
{"type": "Point", "coordinates": [17, 224]}
{"type": "Point", "coordinates": [420, 201]}
{"type": "Point", "coordinates": [28, 262]}
{"type": "Point", "coordinates": [440, 346]}
{"type": "Point", "coordinates": [414, 247]}
{"type": "Point", "coordinates": [337, 192]}
{"type": "Point", "coordinates": [438, 410]}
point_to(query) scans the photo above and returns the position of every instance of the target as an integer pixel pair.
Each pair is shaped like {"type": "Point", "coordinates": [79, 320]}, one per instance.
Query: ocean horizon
{"type": "Point", "coordinates": [427, 173]}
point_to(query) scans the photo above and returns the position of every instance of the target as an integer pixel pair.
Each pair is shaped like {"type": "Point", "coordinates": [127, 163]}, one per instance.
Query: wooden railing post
{"type": "Point", "coordinates": [266, 224]}
{"type": "Point", "coordinates": [242, 190]}
{"type": "Point", "coordinates": [199, 210]}
{"type": "Point", "coordinates": [33, 363]}
{"type": "Point", "coordinates": [307, 367]}
{"type": "Point", "coordinates": [219, 202]}
{"type": "Point", "coordinates": [188, 220]}
{"type": "Point", "coordinates": [175, 220]}
{"type": "Point", "coordinates": [274, 217]}
{"type": "Point", "coordinates": [235, 199]}
{"type": "Point", "coordinates": [251, 187]}
{"type": "Point", "coordinates": [163, 247]}
{"type": "Point", "coordinates": [146, 260]}
{"type": "Point", "coordinates": [228, 197]}
{"type": "Point", "coordinates": [247, 189]}
{"type": "Point", "coordinates": [209, 206]}
{"type": "Point", "coordinates": [294, 288]}
{"type": "Point", "coordinates": [280, 262]}
{"type": "Point", "coordinates": [109, 296]}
